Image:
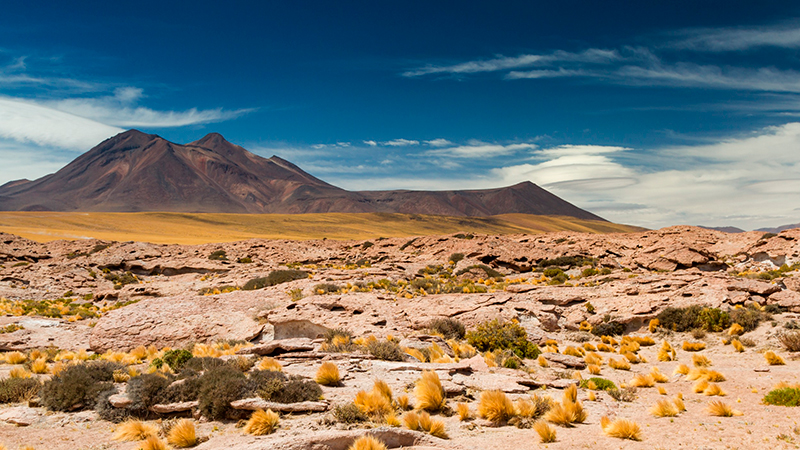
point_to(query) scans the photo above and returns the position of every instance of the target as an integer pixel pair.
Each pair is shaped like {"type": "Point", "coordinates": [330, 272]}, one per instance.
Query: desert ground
{"type": "Point", "coordinates": [549, 322]}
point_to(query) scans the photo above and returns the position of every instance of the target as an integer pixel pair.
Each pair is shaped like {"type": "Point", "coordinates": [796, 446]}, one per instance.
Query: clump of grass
{"type": "Point", "coordinates": [463, 411]}
{"type": "Point", "coordinates": [542, 361]}
{"type": "Point", "coordinates": [661, 390]}
{"type": "Point", "coordinates": [658, 376]}
{"type": "Point", "coordinates": [182, 434]}
{"type": "Point", "coordinates": [262, 422]}
{"type": "Point", "coordinates": [19, 373]}
{"type": "Point", "coordinates": [773, 359]}
{"type": "Point", "coordinates": [621, 428]}
{"type": "Point", "coordinates": [627, 394]}
{"type": "Point", "coordinates": [593, 369]}
{"type": "Point", "coordinates": [735, 330]}
{"type": "Point", "coordinates": [367, 442]}
{"type": "Point", "coordinates": [437, 429]}
{"type": "Point", "coordinates": [664, 408]}
{"type": "Point", "coordinates": [349, 413]}
{"type": "Point", "coordinates": [642, 381]}
{"type": "Point", "coordinates": [790, 340]}
{"type": "Point", "coordinates": [700, 361]}
{"type": "Point", "coordinates": [376, 403]}
{"type": "Point", "coordinates": [786, 396]}
{"type": "Point", "coordinates": [429, 393]}
{"type": "Point", "coordinates": [15, 357]}
{"type": "Point", "coordinates": [597, 383]}
{"type": "Point", "coordinates": [448, 327]}
{"type": "Point", "coordinates": [495, 406]}
{"type": "Point", "coordinates": [135, 430]}
{"type": "Point", "coordinates": [721, 409]}
{"type": "Point", "coordinates": [15, 390]}
{"type": "Point", "coordinates": [411, 420]}
{"type": "Point", "coordinates": [681, 369]}
{"type": "Point", "coordinates": [693, 346]}
{"type": "Point", "coordinates": [546, 432]}
{"type": "Point", "coordinates": [402, 402]}
{"type": "Point", "coordinates": [385, 350]}
{"type": "Point", "coordinates": [328, 374]}
{"type": "Point", "coordinates": [714, 389]}
{"type": "Point", "coordinates": [270, 364]}
{"type": "Point", "coordinates": [737, 345]}
{"type": "Point", "coordinates": [678, 402]}
{"type": "Point", "coordinates": [153, 443]}
{"type": "Point", "coordinates": [620, 364]}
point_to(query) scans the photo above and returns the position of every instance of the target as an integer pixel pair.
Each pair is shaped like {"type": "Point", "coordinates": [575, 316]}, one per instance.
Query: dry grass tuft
{"type": "Point", "coordinates": [437, 429]}
{"type": "Point", "coordinates": [696, 374]}
{"type": "Point", "coordinates": [658, 376]}
{"type": "Point", "coordinates": [737, 345]}
{"type": "Point", "coordinates": [566, 413]}
{"type": "Point", "coordinates": [653, 325]}
{"type": "Point", "coordinates": [391, 419]}
{"type": "Point", "coordinates": [664, 408]}
{"type": "Point", "coordinates": [328, 374]}
{"type": "Point", "coordinates": [135, 430]}
{"type": "Point", "coordinates": [619, 364]}
{"type": "Point", "coordinates": [604, 348]}
{"type": "Point", "coordinates": [373, 403]}
{"type": "Point", "coordinates": [678, 402]}
{"type": "Point", "coordinates": [593, 369]}
{"type": "Point", "coordinates": [693, 346]}
{"type": "Point", "coordinates": [463, 411]}
{"type": "Point", "coordinates": [429, 392]}
{"type": "Point", "coordinates": [425, 421]}
{"type": "Point", "coordinates": [572, 351]}
{"type": "Point", "coordinates": [589, 347]}
{"type": "Point", "coordinates": [623, 429]}
{"type": "Point", "coordinates": [542, 361]}
{"type": "Point", "coordinates": [642, 381]}
{"type": "Point", "coordinates": [571, 393]}
{"type": "Point", "coordinates": [402, 402]}
{"type": "Point", "coordinates": [714, 389]}
{"type": "Point", "coordinates": [15, 358]}
{"type": "Point", "coordinates": [153, 443]}
{"type": "Point", "coordinates": [182, 434]}
{"type": "Point", "coordinates": [546, 432]}
{"type": "Point", "coordinates": [661, 390]}
{"type": "Point", "coordinates": [720, 409]}
{"type": "Point", "coordinates": [367, 443]}
{"type": "Point", "coordinates": [735, 330]}
{"type": "Point", "coordinates": [411, 420]}
{"type": "Point", "coordinates": [714, 376]}
{"type": "Point", "coordinates": [700, 387]}
{"type": "Point", "coordinates": [39, 365]}
{"type": "Point", "coordinates": [593, 358]}
{"type": "Point", "coordinates": [700, 361]}
{"type": "Point", "coordinates": [262, 422]}
{"type": "Point", "coordinates": [773, 359]}
{"type": "Point", "coordinates": [495, 406]}
{"type": "Point", "coordinates": [270, 364]}
{"type": "Point", "coordinates": [591, 396]}
{"type": "Point", "coordinates": [19, 372]}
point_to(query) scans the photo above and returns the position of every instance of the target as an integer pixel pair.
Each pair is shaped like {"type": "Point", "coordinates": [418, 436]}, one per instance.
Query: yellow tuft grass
{"type": "Point", "coordinates": [201, 350]}
{"type": "Point", "coordinates": [693, 346]}
{"type": "Point", "coordinates": [664, 355]}
{"type": "Point", "coordinates": [664, 408]}
{"type": "Point", "coordinates": [642, 381]}
{"type": "Point", "coordinates": [632, 357]}
{"type": "Point", "coordinates": [383, 389]}
{"type": "Point", "coordinates": [402, 402]}
{"type": "Point", "coordinates": [153, 443]}
{"type": "Point", "coordinates": [495, 406]}
{"type": "Point", "coordinates": [700, 361]}
{"type": "Point", "coordinates": [696, 374]}
{"type": "Point", "coordinates": [619, 364]}
{"type": "Point", "coordinates": [566, 413]}
{"type": "Point", "coordinates": [367, 443]}
{"type": "Point", "coordinates": [773, 359]}
{"type": "Point", "coordinates": [543, 361]}
{"type": "Point", "coordinates": [182, 434]}
{"type": "Point", "coordinates": [593, 358]}
{"type": "Point", "coordinates": [714, 376]}
{"type": "Point", "coordinates": [546, 432]}
{"type": "Point", "coordinates": [721, 409]}
{"type": "Point", "coordinates": [714, 389]}
{"type": "Point", "coordinates": [262, 422]}
{"type": "Point", "coordinates": [654, 323]}
{"type": "Point", "coordinates": [700, 387]}
{"type": "Point", "coordinates": [661, 390]}
{"type": "Point", "coordinates": [57, 368]}
{"type": "Point", "coordinates": [735, 330]}
{"type": "Point", "coordinates": [39, 365]}
{"type": "Point", "coordinates": [16, 358]}
{"type": "Point", "coordinates": [19, 372]}
{"type": "Point", "coordinates": [591, 396]}
{"type": "Point", "coordinates": [572, 351]}
{"type": "Point", "coordinates": [411, 420]}
{"type": "Point", "coordinates": [589, 347]}
{"type": "Point", "coordinates": [678, 402]}
{"type": "Point", "coordinates": [391, 419]}
{"type": "Point", "coordinates": [571, 393]}
{"type": "Point", "coordinates": [463, 411]}
{"type": "Point", "coordinates": [425, 421]}
{"type": "Point", "coordinates": [270, 364]}
{"type": "Point", "coordinates": [373, 404]}
{"type": "Point", "coordinates": [737, 345]}
{"type": "Point", "coordinates": [609, 340]}
{"type": "Point", "coordinates": [328, 374]}
{"type": "Point", "coordinates": [429, 393]}
{"type": "Point", "coordinates": [438, 429]}
{"type": "Point", "coordinates": [623, 429]}
{"type": "Point", "coordinates": [658, 376]}
{"type": "Point", "coordinates": [593, 369]}
{"type": "Point", "coordinates": [135, 430]}
{"type": "Point", "coordinates": [604, 348]}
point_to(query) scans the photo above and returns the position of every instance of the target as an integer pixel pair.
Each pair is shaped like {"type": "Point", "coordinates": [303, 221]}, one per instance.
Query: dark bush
{"type": "Point", "coordinates": [490, 273]}
{"type": "Point", "coordinates": [570, 261]}
{"type": "Point", "coordinates": [464, 236]}
{"type": "Point", "coordinates": [245, 260]}
{"type": "Point", "coordinates": [78, 386]}
{"type": "Point", "coordinates": [175, 359]}
{"type": "Point", "coordinates": [218, 388]}
{"type": "Point", "coordinates": [107, 411]}
{"type": "Point", "coordinates": [431, 270]}
{"type": "Point", "coordinates": [783, 397]}
{"type": "Point", "coordinates": [627, 394]}
{"type": "Point", "coordinates": [366, 245]}
{"type": "Point", "coordinates": [497, 335]}
{"type": "Point", "coordinates": [386, 351]}
{"type": "Point", "coordinates": [15, 390]}
{"type": "Point", "coordinates": [448, 327]}
{"type": "Point", "coordinates": [218, 255]}
{"type": "Point", "coordinates": [326, 288]}
{"type": "Point", "coordinates": [456, 257]}
{"type": "Point", "coordinates": [790, 340]}
{"type": "Point", "coordinates": [589, 271]}
{"type": "Point", "coordinates": [714, 319]}
{"type": "Point", "coordinates": [680, 319]}
{"type": "Point", "coordinates": [147, 390]}
{"type": "Point", "coordinates": [612, 328]}
{"type": "Point", "coordinates": [349, 413]}
{"type": "Point", "coordinates": [601, 383]}
{"type": "Point", "coordinates": [279, 387]}
{"type": "Point", "coordinates": [275, 278]}
{"type": "Point", "coordinates": [203, 363]}
{"type": "Point", "coordinates": [337, 332]}
{"type": "Point", "coordinates": [183, 390]}
{"type": "Point", "coordinates": [748, 318]}
{"type": "Point", "coordinates": [552, 271]}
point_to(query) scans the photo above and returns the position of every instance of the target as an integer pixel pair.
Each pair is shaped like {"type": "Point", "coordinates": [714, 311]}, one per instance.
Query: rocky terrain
{"type": "Point", "coordinates": [281, 299]}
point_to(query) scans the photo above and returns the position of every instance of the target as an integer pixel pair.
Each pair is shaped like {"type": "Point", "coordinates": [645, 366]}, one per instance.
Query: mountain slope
{"type": "Point", "coordinates": [135, 172]}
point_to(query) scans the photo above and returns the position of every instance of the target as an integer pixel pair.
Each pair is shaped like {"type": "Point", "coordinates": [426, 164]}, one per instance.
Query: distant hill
{"type": "Point", "coordinates": [724, 229]}
{"type": "Point", "coordinates": [780, 228]}
{"type": "Point", "coordinates": [137, 172]}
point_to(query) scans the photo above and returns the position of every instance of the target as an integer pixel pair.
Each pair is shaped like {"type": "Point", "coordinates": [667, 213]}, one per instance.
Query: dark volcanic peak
{"type": "Point", "coordinates": [135, 171]}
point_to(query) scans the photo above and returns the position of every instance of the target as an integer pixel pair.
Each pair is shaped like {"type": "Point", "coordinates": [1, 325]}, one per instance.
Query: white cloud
{"type": "Point", "coordinates": [499, 63]}
{"type": "Point", "coordinates": [28, 161]}
{"type": "Point", "coordinates": [370, 143]}
{"type": "Point", "coordinates": [27, 121]}
{"type": "Point", "coordinates": [480, 150]}
{"type": "Point", "coordinates": [400, 143]}
{"type": "Point", "coordinates": [547, 73]}
{"type": "Point", "coordinates": [440, 142]}
{"type": "Point", "coordinates": [736, 39]}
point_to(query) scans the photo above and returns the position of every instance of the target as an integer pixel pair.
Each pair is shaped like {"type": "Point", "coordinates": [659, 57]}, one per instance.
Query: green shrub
{"type": "Point", "coordinates": [146, 390]}
{"type": "Point", "coordinates": [714, 320]}
{"type": "Point", "coordinates": [601, 383]}
{"type": "Point", "coordinates": [490, 273]}
{"type": "Point", "coordinates": [186, 391]}
{"type": "Point", "coordinates": [680, 319]}
{"type": "Point", "coordinates": [499, 335]}
{"type": "Point", "coordinates": [386, 351]}
{"type": "Point", "coordinates": [349, 413]}
{"type": "Point", "coordinates": [326, 288]}
{"type": "Point", "coordinates": [275, 278]}
{"type": "Point", "coordinates": [78, 386]}
{"type": "Point", "coordinates": [589, 271]}
{"type": "Point", "coordinates": [553, 271]}
{"type": "Point", "coordinates": [218, 388]}
{"type": "Point", "coordinates": [15, 390]}
{"type": "Point", "coordinates": [175, 359]}
{"type": "Point", "coordinates": [783, 397]}
{"type": "Point", "coordinates": [448, 327]}
{"type": "Point", "coordinates": [431, 270]}
{"type": "Point", "coordinates": [612, 328]}
{"type": "Point", "coordinates": [279, 387]}
{"type": "Point", "coordinates": [245, 260]}
{"type": "Point", "coordinates": [218, 255]}
{"type": "Point", "coordinates": [121, 279]}
{"type": "Point", "coordinates": [455, 258]}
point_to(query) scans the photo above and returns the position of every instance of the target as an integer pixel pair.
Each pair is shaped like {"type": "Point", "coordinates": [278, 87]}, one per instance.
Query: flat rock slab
{"type": "Point", "coordinates": [174, 407]}
{"type": "Point", "coordinates": [462, 366]}
{"type": "Point", "coordinates": [255, 403]}
{"type": "Point", "coordinates": [565, 360]}
{"type": "Point", "coordinates": [279, 346]}
{"type": "Point", "coordinates": [20, 416]}
{"type": "Point", "coordinates": [491, 381]}
{"type": "Point", "coordinates": [120, 401]}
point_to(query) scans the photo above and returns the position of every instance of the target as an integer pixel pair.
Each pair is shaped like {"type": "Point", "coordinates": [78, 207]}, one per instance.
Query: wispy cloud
{"type": "Point", "coordinates": [440, 142]}
{"type": "Point", "coordinates": [477, 149]}
{"type": "Point", "coordinates": [740, 38]}
{"type": "Point", "coordinates": [400, 143]}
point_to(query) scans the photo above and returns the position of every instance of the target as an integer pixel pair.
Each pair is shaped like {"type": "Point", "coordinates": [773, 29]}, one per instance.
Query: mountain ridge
{"type": "Point", "coordinates": [138, 172]}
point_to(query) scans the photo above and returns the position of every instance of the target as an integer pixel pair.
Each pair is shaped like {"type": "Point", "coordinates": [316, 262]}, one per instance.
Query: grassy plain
{"type": "Point", "coordinates": [182, 228]}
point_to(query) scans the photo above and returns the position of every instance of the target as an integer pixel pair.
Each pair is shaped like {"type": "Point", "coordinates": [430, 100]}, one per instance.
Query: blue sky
{"type": "Point", "coordinates": [649, 113]}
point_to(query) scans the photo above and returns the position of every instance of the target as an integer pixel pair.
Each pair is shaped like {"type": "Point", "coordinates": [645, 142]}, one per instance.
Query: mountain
{"type": "Point", "coordinates": [134, 171]}
{"type": "Point", "coordinates": [780, 228]}
{"type": "Point", "coordinates": [727, 229]}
